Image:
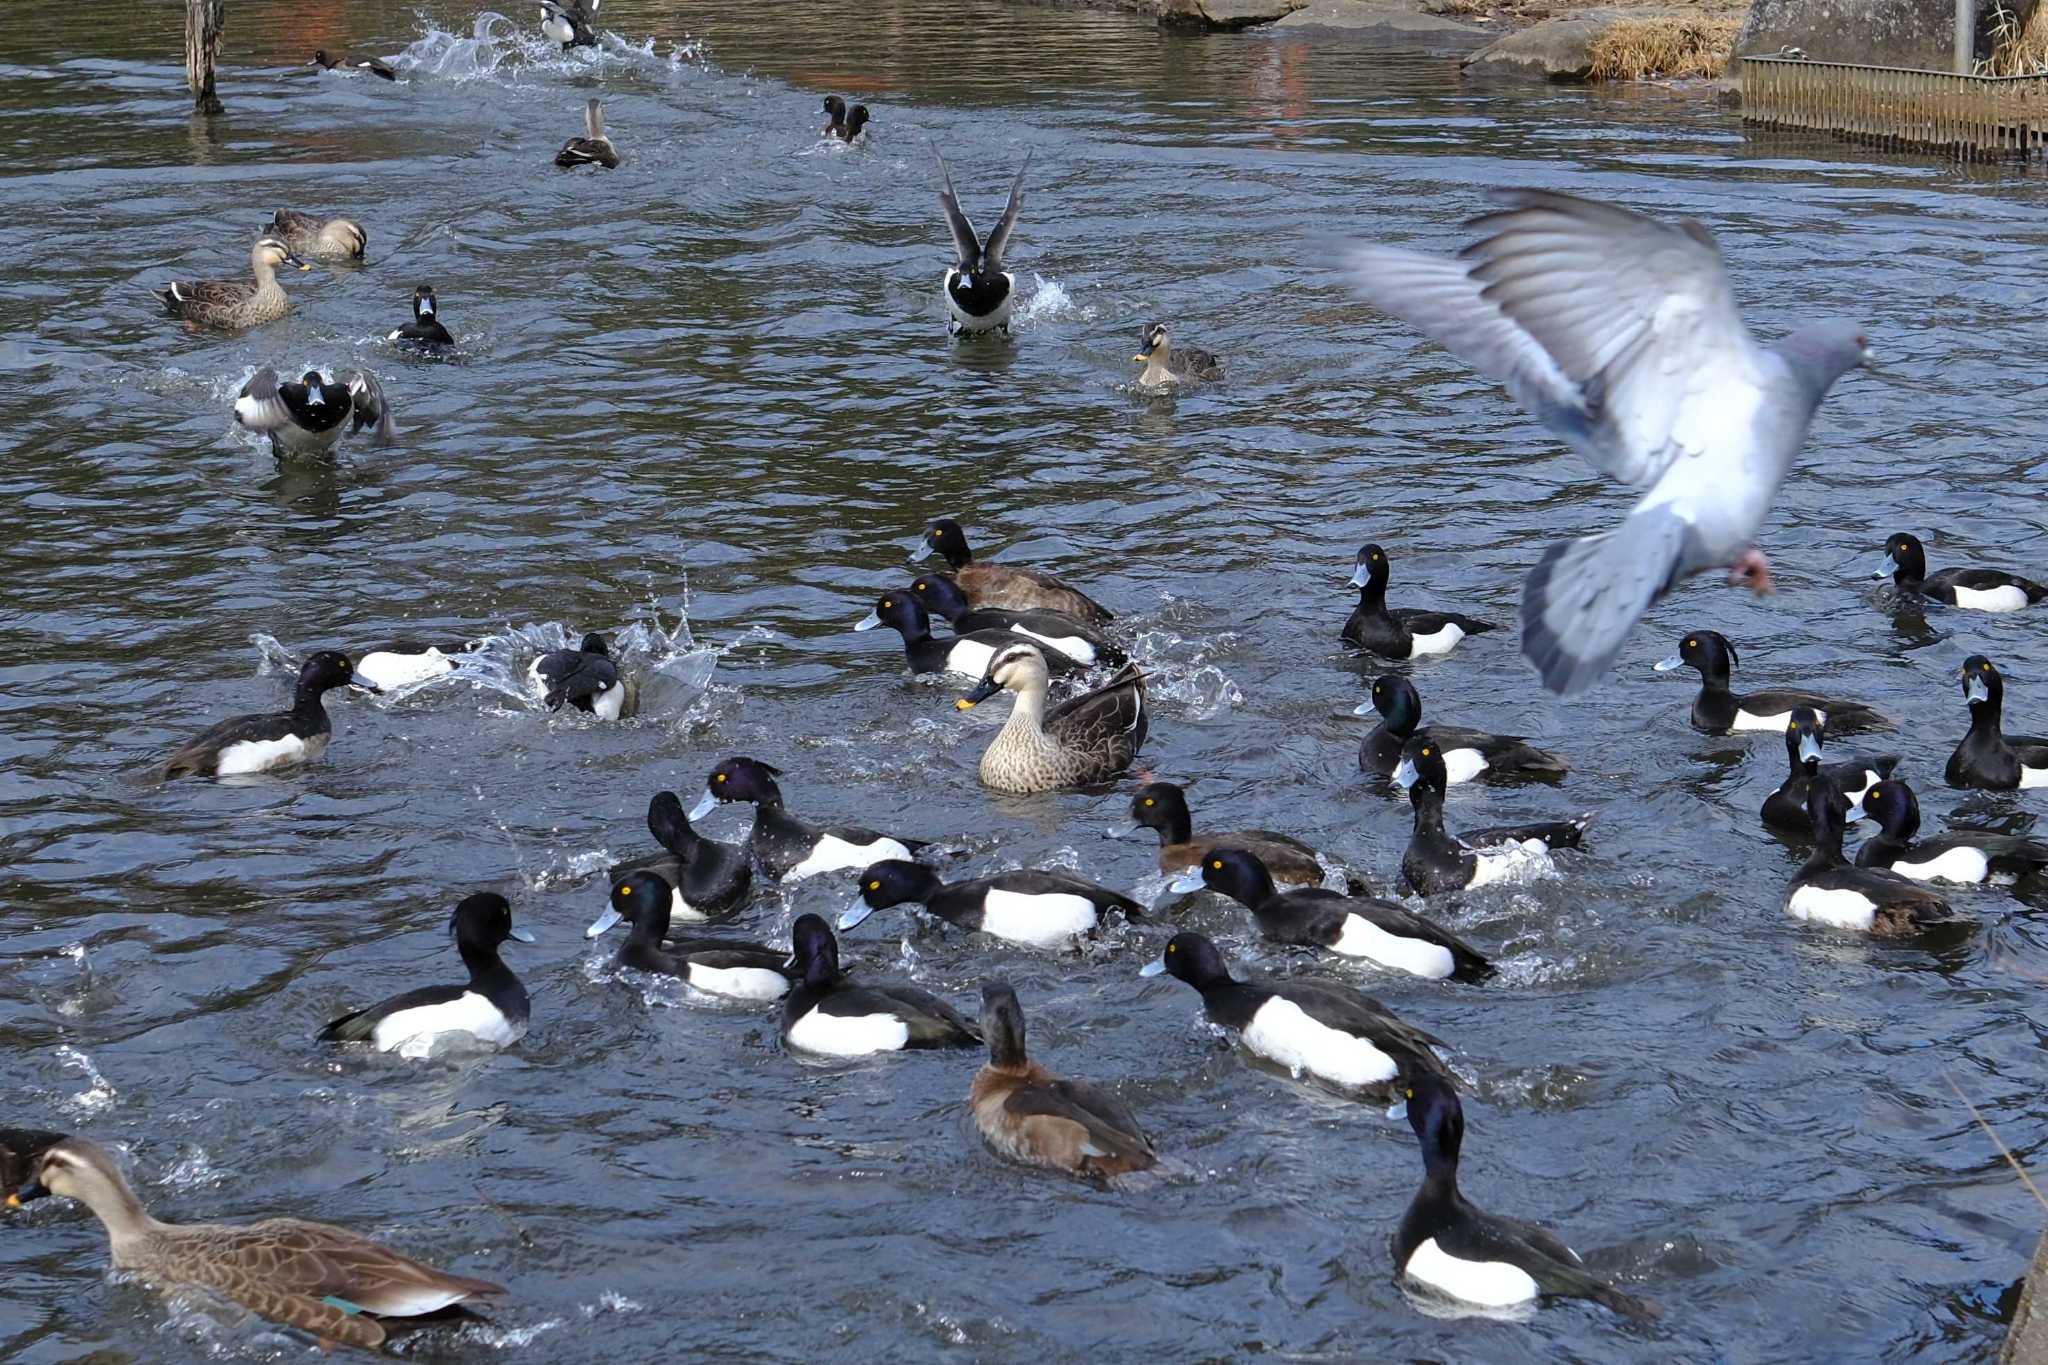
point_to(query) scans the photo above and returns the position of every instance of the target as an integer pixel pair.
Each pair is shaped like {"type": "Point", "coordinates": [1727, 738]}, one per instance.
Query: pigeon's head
{"type": "Point", "coordinates": [1824, 352]}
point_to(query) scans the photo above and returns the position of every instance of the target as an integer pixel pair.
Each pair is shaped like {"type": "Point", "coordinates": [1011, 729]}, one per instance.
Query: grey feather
{"type": "Point", "coordinates": [1584, 596]}
{"type": "Point", "coordinates": [999, 238]}
{"type": "Point", "coordinates": [966, 246]}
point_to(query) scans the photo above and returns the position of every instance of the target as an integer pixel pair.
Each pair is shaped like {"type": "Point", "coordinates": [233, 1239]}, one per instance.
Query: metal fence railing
{"type": "Point", "coordinates": [1972, 116]}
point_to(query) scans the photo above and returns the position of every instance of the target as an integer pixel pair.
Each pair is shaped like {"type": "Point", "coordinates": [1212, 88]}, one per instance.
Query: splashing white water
{"type": "Point", "coordinates": [99, 1094]}
{"type": "Point", "coordinates": [502, 50]}
{"type": "Point", "coordinates": [1048, 301]}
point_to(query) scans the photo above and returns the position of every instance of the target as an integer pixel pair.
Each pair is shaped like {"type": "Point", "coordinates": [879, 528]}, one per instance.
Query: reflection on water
{"type": "Point", "coordinates": [699, 404]}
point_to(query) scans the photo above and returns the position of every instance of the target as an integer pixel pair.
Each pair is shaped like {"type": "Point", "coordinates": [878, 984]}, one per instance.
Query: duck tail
{"type": "Point", "coordinates": [1628, 1305]}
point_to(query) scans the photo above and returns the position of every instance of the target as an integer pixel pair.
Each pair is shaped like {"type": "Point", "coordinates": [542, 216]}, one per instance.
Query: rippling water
{"type": "Point", "coordinates": [705, 401]}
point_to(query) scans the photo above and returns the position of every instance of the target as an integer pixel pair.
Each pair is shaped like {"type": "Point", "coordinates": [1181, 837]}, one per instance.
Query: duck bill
{"type": "Point", "coordinates": [706, 804]}
{"type": "Point", "coordinates": [1974, 691]}
{"type": "Point", "coordinates": [1156, 967]}
{"type": "Point", "coordinates": [1365, 708]}
{"type": "Point", "coordinates": [1405, 775]}
{"type": "Point", "coordinates": [854, 914]}
{"type": "Point", "coordinates": [362, 684]}
{"type": "Point", "coordinates": [868, 622]}
{"type": "Point", "coordinates": [983, 690]}
{"type": "Point", "coordinates": [1123, 831]}
{"type": "Point", "coordinates": [1398, 1109]}
{"type": "Point", "coordinates": [1666, 665]}
{"type": "Point", "coordinates": [1142, 359]}
{"type": "Point", "coordinates": [1856, 812]}
{"type": "Point", "coordinates": [28, 1193]}
{"type": "Point", "coordinates": [1186, 882]}
{"type": "Point", "coordinates": [1359, 578]}
{"type": "Point", "coordinates": [603, 922]}
{"type": "Point", "coordinates": [1809, 749]}
{"type": "Point", "coordinates": [1887, 569]}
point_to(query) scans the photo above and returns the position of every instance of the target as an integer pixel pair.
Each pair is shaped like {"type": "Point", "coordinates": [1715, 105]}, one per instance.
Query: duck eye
{"type": "Point", "coordinates": [1426, 751]}
{"type": "Point", "coordinates": [1216, 863]}
{"type": "Point", "coordinates": [718, 777]}
{"type": "Point", "coordinates": [1411, 1092]}
{"type": "Point", "coordinates": [887, 603]}
{"type": "Point", "coordinates": [626, 890]}
{"type": "Point", "coordinates": [1985, 666]}
{"type": "Point", "coordinates": [1148, 800]}
{"type": "Point", "coordinates": [874, 886]}
{"type": "Point", "coordinates": [1692, 644]}
{"type": "Point", "coordinates": [1172, 948]}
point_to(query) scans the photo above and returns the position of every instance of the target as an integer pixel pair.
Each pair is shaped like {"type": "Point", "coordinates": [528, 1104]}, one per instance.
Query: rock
{"type": "Point", "coordinates": [1386, 17]}
{"type": "Point", "coordinates": [1916, 34]}
{"type": "Point", "coordinates": [1562, 49]}
{"type": "Point", "coordinates": [1228, 15]}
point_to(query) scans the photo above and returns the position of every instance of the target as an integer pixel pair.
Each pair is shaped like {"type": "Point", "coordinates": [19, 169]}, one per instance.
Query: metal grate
{"type": "Point", "coordinates": [1972, 116]}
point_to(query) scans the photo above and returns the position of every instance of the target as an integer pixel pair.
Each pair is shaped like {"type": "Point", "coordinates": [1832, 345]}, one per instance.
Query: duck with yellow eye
{"type": "Point", "coordinates": [941, 595]}
{"type": "Point", "coordinates": [789, 849]}
{"type": "Point", "coordinates": [731, 969]}
{"type": "Point", "coordinates": [1364, 927]}
{"type": "Point", "coordinates": [1085, 739]}
{"type": "Point", "coordinates": [967, 655]}
{"type": "Point", "coordinates": [1399, 632]}
{"type": "Point", "coordinates": [707, 880]}
{"type": "Point", "coordinates": [1805, 751]}
{"type": "Point", "coordinates": [828, 1014]}
{"type": "Point", "coordinates": [1988, 758]}
{"type": "Point", "coordinates": [1467, 754]}
{"type": "Point", "coordinates": [1437, 861]}
{"type": "Point", "coordinates": [1828, 891]}
{"type": "Point", "coordinates": [1307, 1026]}
{"type": "Point", "coordinates": [1481, 1259]}
{"type": "Point", "coordinates": [1167, 365]}
{"type": "Point", "coordinates": [1163, 806]}
{"type": "Point", "coordinates": [1965, 856]}
{"type": "Point", "coordinates": [1720, 711]}
{"type": "Point", "coordinates": [1041, 909]}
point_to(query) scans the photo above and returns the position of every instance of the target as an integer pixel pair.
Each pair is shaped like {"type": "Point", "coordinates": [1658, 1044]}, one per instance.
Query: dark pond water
{"type": "Point", "coordinates": [703, 402]}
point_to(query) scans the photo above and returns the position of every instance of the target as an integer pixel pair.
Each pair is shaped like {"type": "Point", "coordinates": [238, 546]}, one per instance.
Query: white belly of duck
{"type": "Point", "coordinates": [414, 1032]}
{"type": "Point", "coordinates": [739, 983]}
{"type": "Point", "coordinates": [1462, 765]}
{"type": "Point", "coordinates": [848, 1035]}
{"type": "Point", "coordinates": [1747, 720]}
{"type": "Point", "coordinates": [1045, 921]}
{"type": "Point", "coordinates": [1281, 1031]}
{"type": "Point", "coordinates": [1363, 938]}
{"type": "Point", "coordinates": [607, 704]}
{"type": "Point", "coordinates": [834, 854]}
{"type": "Point", "coordinates": [1442, 640]}
{"type": "Point", "coordinates": [556, 29]}
{"type": "Point", "coordinates": [2005, 598]}
{"type": "Point", "coordinates": [261, 755]}
{"type": "Point", "coordinates": [1957, 865]}
{"type": "Point", "coordinates": [391, 671]}
{"type": "Point", "coordinates": [680, 909]}
{"type": "Point", "coordinates": [1489, 1284]}
{"type": "Point", "coordinates": [1840, 909]}
{"type": "Point", "coordinates": [1073, 646]}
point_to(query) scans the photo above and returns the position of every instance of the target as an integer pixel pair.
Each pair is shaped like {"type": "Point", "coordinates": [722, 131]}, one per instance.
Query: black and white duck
{"type": "Point", "coordinates": [309, 415]}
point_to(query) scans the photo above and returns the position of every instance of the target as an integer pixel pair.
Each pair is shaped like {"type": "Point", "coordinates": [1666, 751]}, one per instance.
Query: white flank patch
{"type": "Point", "coordinates": [2033, 777]}
{"type": "Point", "coordinates": [413, 1032]}
{"type": "Point", "coordinates": [533, 676]}
{"type": "Point", "coordinates": [392, 671]}
{"type": "Point", "coordinates": [740, 983]}
{"type": "Point", "coordinates": [969, 657]}
{"type": "Point", "coordinates": [1511, 861]}
{"type": "Point", "coordinates": [1462, 765]}
{"type": "Point", "coordinates": [1841, 909]}
{"type": "Point", "coordinates": [1073, 646]}
{"type": "Point", "coordinates": [1043, 921]}
{"type": "Point", "coordinates": [1963, 864]}
{"type": "Point", "coordinates": [607, 704]}
{"type": "Point", "coordinates": [1490, 1284]}
{"type": "Point", "coordinates": [678, 908]}
{"type": "Point", "coordinates": [834, 854]}
{"type": "Point", "coordinates": [848, 1035]}
{"type": "Point", "coordinates": [1870, 778]}
{"type": "Point", "coordinates": [1442, 640]}
{"type": "Point", "coordinates": [1281, 1031]}
{"type": "Point", "coordinates": [1363, 938]}
{"type": "Point", "coordinates": [259, 755]}
{"type": "Point", "coordinates": [1744, 720]}
{"type": "Point", "coordinates": [2006, 598]}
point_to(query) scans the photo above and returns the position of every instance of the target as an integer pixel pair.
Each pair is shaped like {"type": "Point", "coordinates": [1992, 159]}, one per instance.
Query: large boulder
{"type": "Point", "coordinates": [1919, 34]}
{"type": "Point", "coordinates": [1610, 44]}
{"type": "Point", "coordinates": [1225, 14]}
{"type": "Point", "coordinates": [1384, 18]}
{"type": "Point", "coordinates": [1555, 50]}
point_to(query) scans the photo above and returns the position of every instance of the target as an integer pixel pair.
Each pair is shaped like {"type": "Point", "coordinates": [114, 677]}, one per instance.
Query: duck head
{"type": "Point", "coordinates": [1892, 805]}
{"type": "Point", "coordinates": [813, 951]}
{"type": "Point", "coordinates": [900, 612]}
{"type": "Point", "coordinates": [1235, 872]}
{"type": "Point", "coordinates": [1015, 667]}
{"type": "Point", "coordinates": [945, 539]}
{"type": "Point", "coordinates": [890, 882]}
{"type": "Point", "coordinates": [1002, 1023]}
{"type": "Point", "coordinates": [1904, 559]}
{"type": "Point", "coordinates": [1421, 768]}
{"type": "Point", "coordinates": [739, 779]}
{"type": "Point", "coordinates": [1395, 700]}
{"type": "Point", "coordinates": [1706, 650]}
{"type": "Point", "coordinates": [484, 920]}
{"type": "Point", "coordinates": [1192, 958]}
{"type": "Point", "coordinates": [641, 900]}
{"type": "Point", "coordinates": [1805, 740]}
{"type": "Point", "coordinates": [1152, 343]}
{"type": "Point", "coordinates": [423, 303]}
{"type": "Point", "coordinates": [1982, 683]}
{"type": "Point", "coordinates": [327, 669]}
{"type": "Point", "coordinates": [1371, 568]}
{"type": "Point", "coordinates": [856, 119]}
{"type": "Point", "coordinates": [269, 253]}
{"type": "Point", "coordinates": [940, 595]}
{"type": "Point", "coordinates": [1160, 806]}
{"type": "Point", "coordinates": [1438, 1119]}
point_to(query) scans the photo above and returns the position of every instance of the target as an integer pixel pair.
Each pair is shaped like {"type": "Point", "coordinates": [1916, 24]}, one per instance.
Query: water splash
{"type": "Point", "coordinates": [1048, 301]}
{"type": "Point", "coordinates": [502, 51]}
{"type": "Point", "coordinates": [99, 1094]}
{"type": "Point", "coordinates": [1177, 670]}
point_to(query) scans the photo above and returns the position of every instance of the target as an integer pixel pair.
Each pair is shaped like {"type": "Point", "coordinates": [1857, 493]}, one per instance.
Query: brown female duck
{"type": "Point", "coordinates": [1027, 1114]}
{"type": "Point", "coordinates": [235, 304]}
{"type": "Point", "coordinates": [1001, 585]}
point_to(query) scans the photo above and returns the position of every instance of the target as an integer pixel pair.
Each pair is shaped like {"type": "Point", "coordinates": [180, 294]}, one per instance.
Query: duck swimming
{"type": "Point", "coordinates": [1028, 1115]}
{"type": "Point", "coordinates": [425, 331]}
{"type": "Point", "coordinates": [568, 22]}
{"type": "Point", "coordinates": [1005, 585]}
{"type": "Point", "coordinates": [401, 664]}
{"type": "Point", "coordinates": [940, 595]}
{"type": "Point", "coordinates": [725, 967]}
{"type": "Point", "coordinates": [1404, 632]}
{"type": "Point", "coordinates": [233, 305]}
{"type": "Point", "coordinates": [1827, 890]}
{"type": "Point", "coordinates": [277, 739]}
{"type": "Point", "coordinates": [845, 125]}
{"type": "Point", "coordinates": [707, 880]}
{"type": "Point", "coordinates": [1480, 1258]}
{"type": "Point", "coordinates": [348, 64]}
{"type": "Point", "coordinates": [1467, 754]}
{"type": "Point", "coordinates": [1437, 861]}
{"type": "Point", "coordinates": [1085, 739]}
{"type": "Point", "coordinates": [830, 1015]}
{"type": "Point", "coordinates": [1905, 563]}
{"type": "Point", "coordinates": [491, 1007]}
{"type": "Point", "coordinates": [317, 238]}
{"type": "Point", "coordinates": [587, 678]}
{"type": "Point", "coordinates": [1048, 909]}
{"type": "Point", "coordinates": [1350, 926]}
{"type": "Point", "coordinates": [593, 148]}
{"type": "Point", "coordinates": [1805, 739]}
{"type": "Point", "coordinates": [1318, 1028]}
{"type": "Point", "coordinates": [306, 416]}
{"type": "Point", "coordinates": [1165, 365]}
{"type": "Point", "coordinates": [1966, 856]}
{"type": "Point", "coordinates": [980, 295]}
{"type": "Point", "coordinates": [1987, 757]}
{"type": "Point", "coordinates": [967, 655]}
{"type": "Point", "coordinates": [787, 848]}
{"type": "Point", "coordinates": [1718, 711]}
{"type": "Point", "coordinates": [1163, 807]}
{"type": "Point", "coordinates": [323, 1280]}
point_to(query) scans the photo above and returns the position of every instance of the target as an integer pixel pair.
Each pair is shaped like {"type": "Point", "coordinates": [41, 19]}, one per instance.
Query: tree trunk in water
{"type": "Point", "coordinates": [204, 20]}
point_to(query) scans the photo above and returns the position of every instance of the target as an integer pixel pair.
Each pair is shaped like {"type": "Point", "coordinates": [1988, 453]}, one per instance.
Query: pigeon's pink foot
{"type": "Point", "coordinates": [1752, 568]}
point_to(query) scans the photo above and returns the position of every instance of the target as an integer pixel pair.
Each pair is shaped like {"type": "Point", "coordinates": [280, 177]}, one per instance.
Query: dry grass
{"type": "Point", "coordinates": [1663, 46]}
{"type": "Point", "coordinates": [2022, 48]}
